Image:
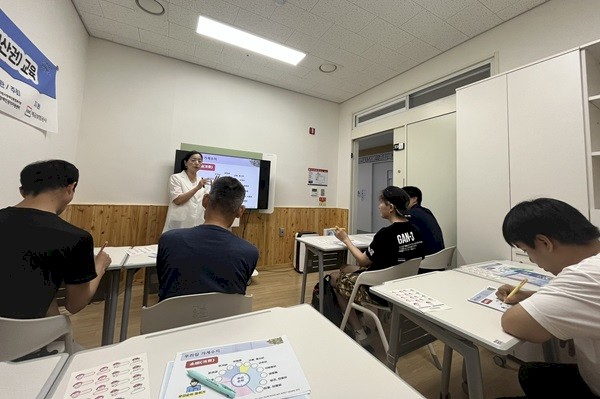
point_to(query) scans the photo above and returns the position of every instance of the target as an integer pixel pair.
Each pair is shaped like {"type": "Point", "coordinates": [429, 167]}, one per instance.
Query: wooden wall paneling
{"type": "Point", "coordinates": [142, 225]}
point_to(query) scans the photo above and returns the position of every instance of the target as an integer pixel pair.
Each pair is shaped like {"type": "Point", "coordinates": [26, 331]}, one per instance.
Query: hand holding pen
{"type": "Point", "coordinates": [511, 295]}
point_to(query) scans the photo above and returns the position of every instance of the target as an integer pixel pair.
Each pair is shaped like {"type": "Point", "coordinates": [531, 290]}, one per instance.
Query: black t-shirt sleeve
{"type": "Point", "coordinates": [376, 247]}
{"type": "Point", "coordinates": [79, 262]}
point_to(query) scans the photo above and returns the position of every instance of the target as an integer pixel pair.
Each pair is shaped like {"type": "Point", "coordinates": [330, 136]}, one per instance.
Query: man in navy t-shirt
{"type": "Point", "coordinates": [209, 257]}
{"type": "Point", "coordinates": [423, 219]}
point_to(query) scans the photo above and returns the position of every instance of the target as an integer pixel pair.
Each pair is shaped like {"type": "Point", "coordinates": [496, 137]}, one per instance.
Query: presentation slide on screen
{"type": "Point", "coordinates": [247, 171]}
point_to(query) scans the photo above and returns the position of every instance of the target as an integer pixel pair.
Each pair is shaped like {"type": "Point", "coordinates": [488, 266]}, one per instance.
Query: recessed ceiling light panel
{"type": "Point", "coordinates": [239, 38]}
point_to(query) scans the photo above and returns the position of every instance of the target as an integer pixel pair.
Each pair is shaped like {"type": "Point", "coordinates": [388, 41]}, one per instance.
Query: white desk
{"type": "Point", "coordinates": [32, 378]}
{"type": "Point", "coordinates": [334, 365]}
{"type": "Point", "coordinates": [132, 265]}
{"type": "Point", "coordinates": [461, 328]}
{"type": "Point", "coordinates": [118, 256]}
{"type": "Point", "coordinates": [321, 244]}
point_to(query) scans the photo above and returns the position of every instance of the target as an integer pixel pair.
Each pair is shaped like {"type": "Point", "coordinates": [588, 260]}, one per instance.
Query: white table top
{"type": "Point", "coordinates": [334, 365]}
{"type": "Point", "coordinates": [146, 259]}
{"type": "Point", "coordinates": [117, 256]}
{"type": "Point", "coordinates": [30, 379]}
{"type": "Point", "coordinates": [478, 323]}
{"type": "Point", "coordinates": [331, 243]}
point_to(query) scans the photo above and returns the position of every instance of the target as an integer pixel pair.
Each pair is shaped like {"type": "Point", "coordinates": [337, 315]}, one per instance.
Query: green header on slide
{"type": "Point", "coordinates": [220, 151]}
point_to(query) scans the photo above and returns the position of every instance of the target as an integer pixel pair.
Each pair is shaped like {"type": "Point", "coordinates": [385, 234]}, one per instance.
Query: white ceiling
{"type": "Point", "coordinates": [370, 41]}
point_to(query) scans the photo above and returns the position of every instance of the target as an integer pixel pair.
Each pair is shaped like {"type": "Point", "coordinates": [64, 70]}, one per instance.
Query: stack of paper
{"type": "Point", "coordinates": [254, 370]}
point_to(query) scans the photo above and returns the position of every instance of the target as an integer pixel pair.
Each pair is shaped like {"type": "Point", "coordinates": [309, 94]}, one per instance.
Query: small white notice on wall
{"type": "Point", "coordinates": [317, 177]}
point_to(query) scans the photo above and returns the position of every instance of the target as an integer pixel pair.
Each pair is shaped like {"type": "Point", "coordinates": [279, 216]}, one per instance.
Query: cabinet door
{"type": "Point", "coordinates": [431, 166]}
{"type": "Point", "coordinates": [546, 132]}
{"type": "Point", "coordinates": [482, 171]}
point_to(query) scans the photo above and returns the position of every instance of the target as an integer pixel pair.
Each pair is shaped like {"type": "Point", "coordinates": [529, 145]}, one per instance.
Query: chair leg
{"type": "Point", "coordinates": [436, 360]}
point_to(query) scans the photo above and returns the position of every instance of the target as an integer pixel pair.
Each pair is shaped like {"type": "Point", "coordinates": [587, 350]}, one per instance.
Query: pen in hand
{"type": "Point", "coordinates": [215, 386]}
{"type": "Point", "coordinates": [515, 290]}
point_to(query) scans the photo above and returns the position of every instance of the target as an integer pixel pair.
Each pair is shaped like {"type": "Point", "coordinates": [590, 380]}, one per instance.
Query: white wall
{"type": "Point", "coordinates": [139, 107]}
{"type": "Point", "coordinates": [55, 28]}
{"type": "Point", "coordinates": [553, 27]}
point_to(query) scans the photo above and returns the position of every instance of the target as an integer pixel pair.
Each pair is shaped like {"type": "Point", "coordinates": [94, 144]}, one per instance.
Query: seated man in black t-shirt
{"type": "Point", "coordinates": [423, 219]}
{"type": "Point", "coordinates": [392, 245]}
{"type": "Point", "coordinates": [208, 257]}
{"type": "Point", "coordinates": [40, 250]}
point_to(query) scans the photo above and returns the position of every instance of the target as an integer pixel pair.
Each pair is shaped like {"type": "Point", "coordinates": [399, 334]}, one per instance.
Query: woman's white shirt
{"type": "Point", "coordinates": [188, 214]}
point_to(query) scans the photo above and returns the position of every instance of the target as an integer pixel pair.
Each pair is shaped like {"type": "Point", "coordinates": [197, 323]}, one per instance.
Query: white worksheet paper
{"type": "Point", "coordinates": [419, 300]}
{"type": "Point", "coordinates": [255, 370]}
{"type": "Point", "coordinates": [488, 298]}
{"type": "Point", "coordinates": [125, 378]}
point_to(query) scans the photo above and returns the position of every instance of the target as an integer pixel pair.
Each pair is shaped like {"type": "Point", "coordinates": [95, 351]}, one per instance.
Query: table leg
{"type": "Point", "coordinates": [392, 354]}
{"type": "Point", "coordinates": [147, 272]}
{"type": "Point", "coordinates": [446, 369]}
{"type": "Point", "coordinates": [304, 274]}
{"type": "Point", "coordinates": [110, 307]}
{"type": "Point", "coordinates": [320, 255]}
{"type": "Point", "coordinates": [126, 303]}
{"type": "Point", "coordinates": [466, 348]}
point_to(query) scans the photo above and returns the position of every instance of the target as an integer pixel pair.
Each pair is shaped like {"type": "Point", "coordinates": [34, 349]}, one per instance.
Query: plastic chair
{"type": "Point", "coordinates": [375, 277]}
{"type": "Point", "coordinates": [21, 337]}
{"type": "Point", "coordinates": [191, 309]}
{"type": "Point", "coordinates": [441, 260]}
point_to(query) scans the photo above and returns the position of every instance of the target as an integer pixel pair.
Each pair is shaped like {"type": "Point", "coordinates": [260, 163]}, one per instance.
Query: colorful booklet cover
{"type": "Point", "coordinates": [488, 298]}
{"type": "Point", "coordinates": [254, 370]}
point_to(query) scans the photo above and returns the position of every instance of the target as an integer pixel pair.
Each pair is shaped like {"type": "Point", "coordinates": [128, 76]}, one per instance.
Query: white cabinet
{"type": "Point", "coordinates": [590, 56]}
{"type": "Point", "coordinates": [482, 193]}
{"type": "Point", "coordinates": [520, 135]}
{"type": "Point", "coordinates": [546, 133]}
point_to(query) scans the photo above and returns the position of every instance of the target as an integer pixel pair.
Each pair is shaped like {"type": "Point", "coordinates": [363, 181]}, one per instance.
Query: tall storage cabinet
{"type": "Point", "coordinates": [590, 61]}
{"type": "Point", "coordinates": [482, 194]}
{"type": "Point", "coordinates": [521, 141]}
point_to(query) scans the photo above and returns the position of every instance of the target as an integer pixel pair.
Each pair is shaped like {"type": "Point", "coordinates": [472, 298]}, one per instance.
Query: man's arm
{"type": "Point", "coordinates": [79, 295]}
{"type": "Point", "coordinates": [517, 322]}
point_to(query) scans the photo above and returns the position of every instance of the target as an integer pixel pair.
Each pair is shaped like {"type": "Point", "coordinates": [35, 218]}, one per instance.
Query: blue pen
{"type": "Point", "coordinates": [215, 386]}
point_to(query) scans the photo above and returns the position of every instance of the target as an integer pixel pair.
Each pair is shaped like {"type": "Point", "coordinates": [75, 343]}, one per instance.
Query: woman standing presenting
{"type": "Point", "coordinates": [186, 190]}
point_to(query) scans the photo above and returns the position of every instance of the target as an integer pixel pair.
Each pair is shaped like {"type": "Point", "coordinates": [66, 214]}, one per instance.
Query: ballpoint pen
{"type": "Point", "coordinates": [215, 386]}
{"type": "Point", "coordinates": [515, 290]}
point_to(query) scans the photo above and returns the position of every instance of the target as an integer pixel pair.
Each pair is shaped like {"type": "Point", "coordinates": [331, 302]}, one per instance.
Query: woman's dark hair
{"type": "Point", "coordinates": [397, 197]}
{"type": "Point", "coordinates": [550, 217]}
{"type": "Point", "coordinates": [47, 175]}
{"type": "Point", "coordinates": [187, 157]}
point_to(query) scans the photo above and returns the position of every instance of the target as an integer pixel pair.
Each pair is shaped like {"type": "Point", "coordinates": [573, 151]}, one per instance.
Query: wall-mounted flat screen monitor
{"type": "Point", "coordinates": [252, 173]}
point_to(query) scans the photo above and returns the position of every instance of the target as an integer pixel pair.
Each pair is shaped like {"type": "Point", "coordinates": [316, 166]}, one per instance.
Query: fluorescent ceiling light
{"type": "Point", "coordinates": [228, 34]}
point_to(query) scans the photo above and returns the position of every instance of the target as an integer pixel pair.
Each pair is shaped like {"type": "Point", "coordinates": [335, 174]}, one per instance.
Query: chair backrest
{"type": "Point", "coordinates": [191, 309]}
{"type": "Point", "coordinates": [406, 269]}
{"type": "Point", "coordinates": [20, 337]}
{"type": "Point", "coordinates": [439, 260]}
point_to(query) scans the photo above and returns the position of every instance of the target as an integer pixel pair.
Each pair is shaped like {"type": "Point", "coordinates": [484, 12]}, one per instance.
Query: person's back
{"type": "Point", "coordinates": [41, 251]}
{"type": "Point", "coordinates": [424, 220]}
{"type": "Point", "coordinates": [209, 257]}
{"type": "Point", "coordinates": [202, 259]}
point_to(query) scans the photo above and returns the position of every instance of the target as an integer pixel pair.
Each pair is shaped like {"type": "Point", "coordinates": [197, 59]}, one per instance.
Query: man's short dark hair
{"type": "Point", "coordinates": [227, 194]}
{"type": "Point", "coordinates": [413, 191]}
{"type": "Point", "coordinates": [550, 217]}
{"type": "Point", "coordinates": [42, 176]}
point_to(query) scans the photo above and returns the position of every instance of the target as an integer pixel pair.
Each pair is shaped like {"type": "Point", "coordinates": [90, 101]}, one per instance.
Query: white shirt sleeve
{"type": "Point", "coordinates": [569, 307]}
{"type": "Point", "coordinates": [175, 187]}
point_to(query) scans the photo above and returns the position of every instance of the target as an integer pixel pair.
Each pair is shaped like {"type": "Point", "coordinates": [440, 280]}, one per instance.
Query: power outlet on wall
{"type": "Point", "coordinates": [281, 232]}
